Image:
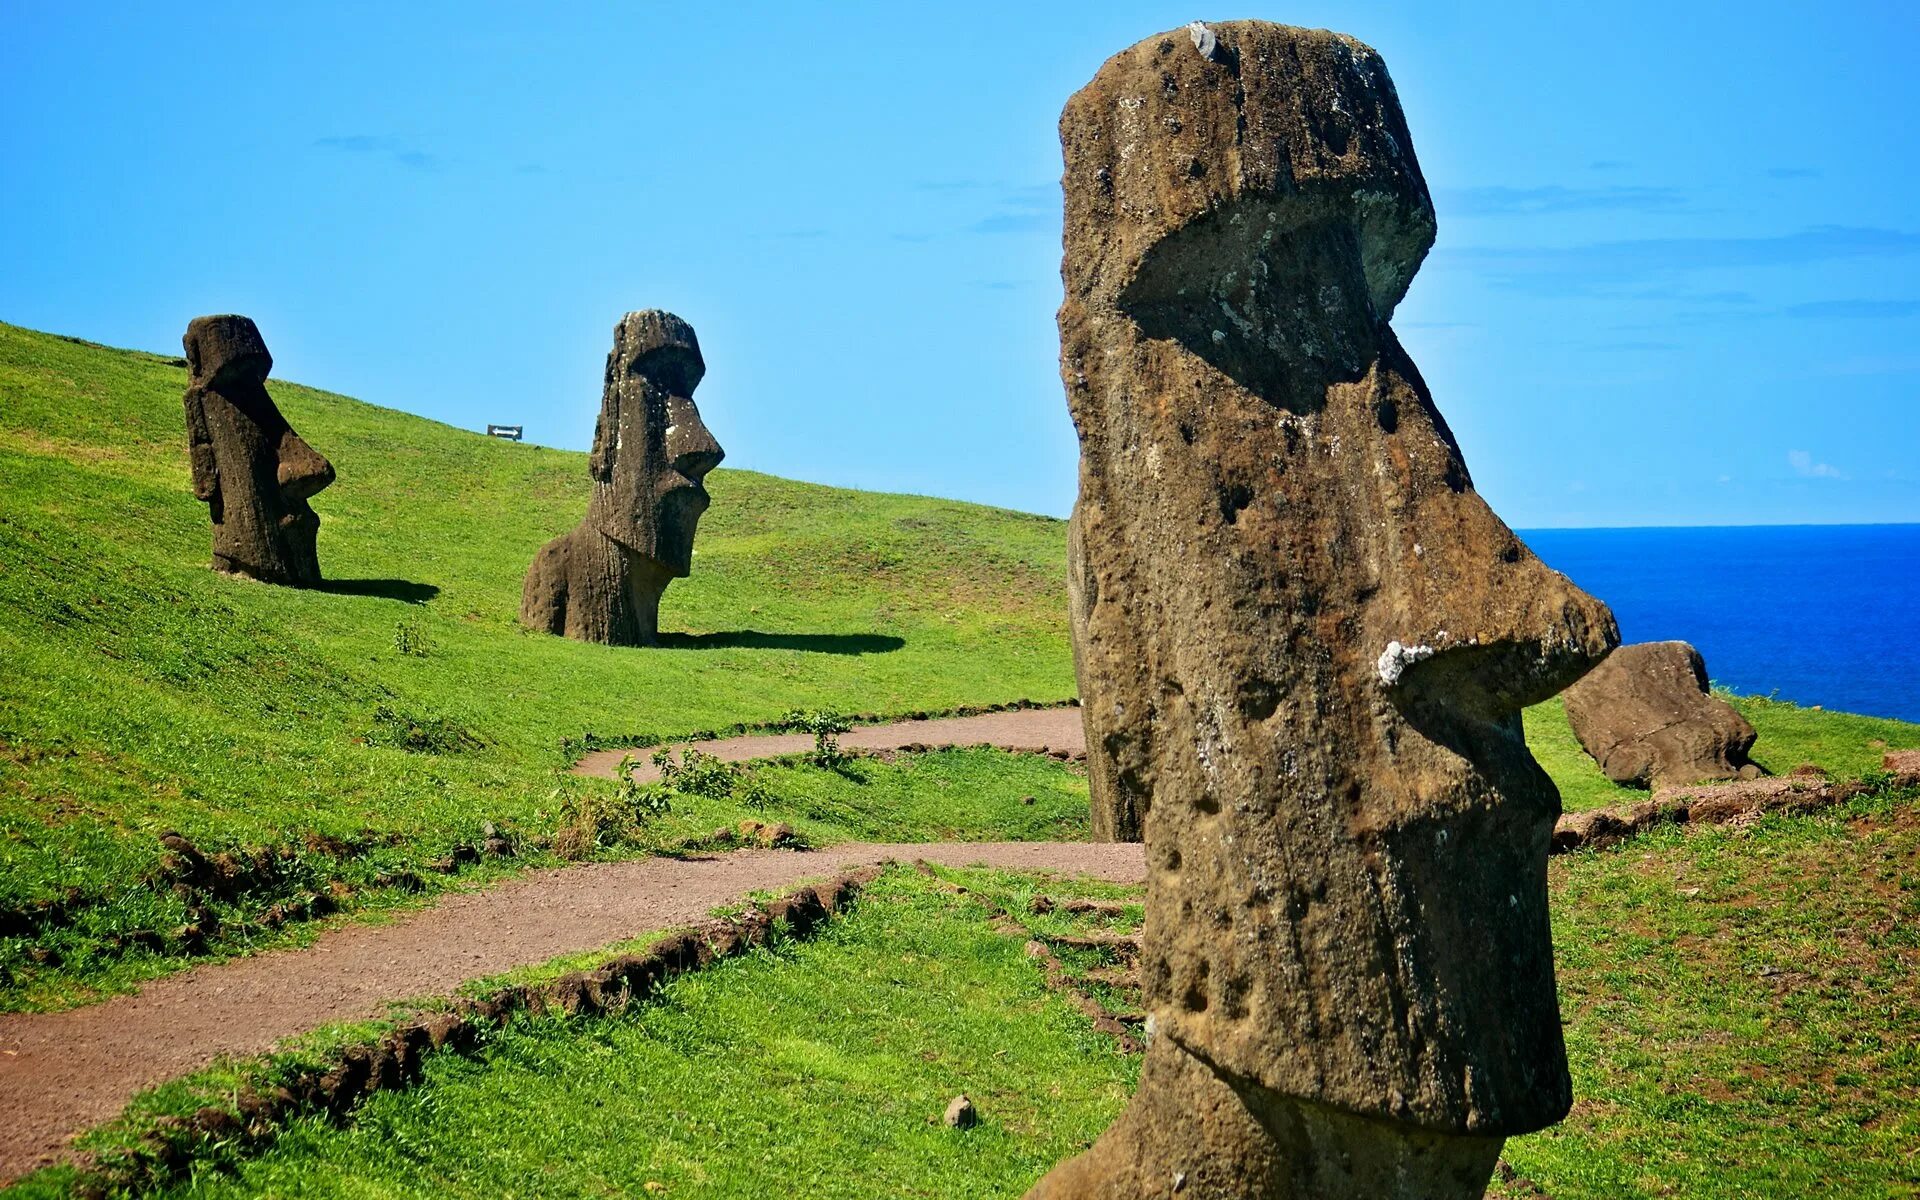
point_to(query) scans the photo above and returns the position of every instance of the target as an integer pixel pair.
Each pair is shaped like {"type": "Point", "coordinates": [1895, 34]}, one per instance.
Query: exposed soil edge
{"type": "Point", "coordinates": [588, 743]}
{"type": "Point", "coordinates": [1733, 803]}
{"type": "Point", "coordinates": [395, 1060]}
{"type": "Point", "coordinates": [1051, 967]}
{"type": "Point", "coordinates": [1022, 726]}
{"type": "Point", "coordinates": [228, 875]}
{"type": "Point", "coordinates": [184, 868]}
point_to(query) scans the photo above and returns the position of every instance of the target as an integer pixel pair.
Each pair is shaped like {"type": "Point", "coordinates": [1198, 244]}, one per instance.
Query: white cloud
{"type": "Point", "coordinates": [1804, 466]}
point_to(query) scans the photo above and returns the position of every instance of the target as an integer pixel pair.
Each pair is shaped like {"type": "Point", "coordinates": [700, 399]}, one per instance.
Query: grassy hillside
{"type": "Point", "coordinates": [369, 727]}
{"type": "Point", "coordinates": [144, 693]}
{"type": "Point", "coordinates": [1740, 1006]}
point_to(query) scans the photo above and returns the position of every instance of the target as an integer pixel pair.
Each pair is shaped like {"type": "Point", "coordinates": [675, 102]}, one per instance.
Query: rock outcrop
{"type": "Point", "coordinates": [1646, 716]}
{"type": "Point", "coordinates": [602, 581]}
{"type": "Point", "coordinates": [1303, 643]}
{"type": "Point", "coordinates": [249, 466]}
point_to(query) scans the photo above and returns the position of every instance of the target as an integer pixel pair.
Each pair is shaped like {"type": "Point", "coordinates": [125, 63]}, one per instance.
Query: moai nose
{"type": "Point", "coordinates": [691, 447]}
{"type": "Point", "coordinates": [1520, 632]}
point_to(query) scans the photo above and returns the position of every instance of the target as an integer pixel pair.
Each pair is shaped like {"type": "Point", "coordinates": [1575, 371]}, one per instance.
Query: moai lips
{"type": "Point", "coordinates": [249, 466]}
{"type": "Point", "coordinates": [602, 581]}
{"type": "Point", "coordinates": [1303, 642]}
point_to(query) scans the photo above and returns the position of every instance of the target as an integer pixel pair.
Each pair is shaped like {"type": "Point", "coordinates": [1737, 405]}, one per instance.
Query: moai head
{"type": "Point", "coordinates": [1303, 639]}
{"type": "Point", "coordinates": [254, 472]}
{"type": "Point", "coordinates": [650, 449]}
{"type": "Point", "coordinates": [227, 354]}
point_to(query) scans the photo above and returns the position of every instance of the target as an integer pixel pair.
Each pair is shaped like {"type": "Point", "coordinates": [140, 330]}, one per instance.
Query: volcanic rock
{"type": "Point", "coordinates": [1646, 716]}
{"type": "Point", "coordinates": [960, 1113]}
{"type": "Point", "coordinates": [602, 581]}
{"type": "Point", "coordinates": [249, 466]}
{"type": "Point", "coordinates": [1303, 643]}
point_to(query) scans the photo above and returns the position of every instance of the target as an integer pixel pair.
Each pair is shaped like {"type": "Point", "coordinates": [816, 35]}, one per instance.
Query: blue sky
{"type": "Point", "coordinates": [1677, 280]}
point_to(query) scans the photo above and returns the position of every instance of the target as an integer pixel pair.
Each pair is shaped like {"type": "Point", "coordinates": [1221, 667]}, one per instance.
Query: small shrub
{"type": "Point", "coordinates": [698, 774]}
{"type": "Point", "coordinates": [417, 735]}
{"type": "Point", "coordinates": [590, 822]}
{"type": "Point", "coordinates": [573, 843]}
{"type": "Point", "coordinates": [410, 639]}
{"type": "Point", "coordinates": [826, 728]}
{"type": "Point", "coordinates": [752, 793]}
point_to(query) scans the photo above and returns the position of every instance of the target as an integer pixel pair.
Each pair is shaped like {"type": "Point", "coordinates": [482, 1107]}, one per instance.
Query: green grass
{"type": "Point", "coordinates": [971, 795]}
{"type": "Point", "coordinates": [814, 1069]}
{"type": "Point", "coordinates": [1743, 1012]}
{"type": "Point", "coordinates": [1740, 1006]}
{"type": "Point", "coordinates": [142, 693]}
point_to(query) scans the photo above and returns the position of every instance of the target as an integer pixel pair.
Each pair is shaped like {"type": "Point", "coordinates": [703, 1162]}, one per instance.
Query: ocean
{"type": "Point", "coordinates": [1815, 614]}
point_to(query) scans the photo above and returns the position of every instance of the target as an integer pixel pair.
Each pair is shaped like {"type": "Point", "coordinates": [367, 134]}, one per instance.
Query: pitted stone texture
{"type": "Point", "coordinates": [1193, 1133]}
{"type": "Point", "coordinates": [602, 581]}
{"type": "Point", "coordinates": [249, 466]}
{"type": "Point", "coordinates": [1647, 717]}
{"type": "Point", "coordinates": [1303, 640]}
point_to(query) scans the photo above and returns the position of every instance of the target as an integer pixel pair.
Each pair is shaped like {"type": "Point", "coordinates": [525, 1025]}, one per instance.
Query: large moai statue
{"type": "Point", "coordinates": [254, 472]}
{"type": "Point", "coordinates": [602, 581]}
{"type": "Point", "coordinates": [1303, 643]}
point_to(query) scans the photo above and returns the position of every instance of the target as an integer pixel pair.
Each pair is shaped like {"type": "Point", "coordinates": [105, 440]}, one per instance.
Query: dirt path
{"type": "Point", "coordinates": [62, 1073]}
{"type": "Point", "coordinates": [1017, 729]}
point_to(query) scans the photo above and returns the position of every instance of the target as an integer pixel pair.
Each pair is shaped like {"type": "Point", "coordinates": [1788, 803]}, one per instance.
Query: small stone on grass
{"type": "Point", "coordinates": [960, 1113]}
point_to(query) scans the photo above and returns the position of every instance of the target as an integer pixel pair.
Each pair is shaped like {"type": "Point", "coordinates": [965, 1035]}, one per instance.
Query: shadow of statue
{"type": "Point", "coordinates": [403, 590]}
{"type": "Point", "coordinates": [812, 643]}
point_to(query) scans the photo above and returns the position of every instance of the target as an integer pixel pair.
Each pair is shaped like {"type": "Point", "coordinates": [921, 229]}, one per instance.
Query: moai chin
{"type": "Point", "coordinates": [249, 466]}
{"type": "Point", "coordinates": [1303, 642]}
{"type": "Point", "coordinates": [602, 581]}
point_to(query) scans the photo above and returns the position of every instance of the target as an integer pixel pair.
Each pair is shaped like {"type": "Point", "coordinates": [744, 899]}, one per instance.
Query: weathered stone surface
{"type": "Point", "coordinates": [1302, 640]}
{"type": "Point", "coordinates": [960, 1113]}
{"type": "Point", "coordinates": [249, 466]}
{"type": "Point", "coordinates": [1646, 716]}
{"type": "Point", "coordinates": [1191, 1132]}
{"type": "Point", "coordinates": [602, 581]}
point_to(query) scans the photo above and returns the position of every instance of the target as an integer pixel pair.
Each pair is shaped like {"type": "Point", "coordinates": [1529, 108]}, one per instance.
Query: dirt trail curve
{"type": "Point", "coordinates": [1016, 729]}
{"type": "Point", "coordinates": [62, 1073]}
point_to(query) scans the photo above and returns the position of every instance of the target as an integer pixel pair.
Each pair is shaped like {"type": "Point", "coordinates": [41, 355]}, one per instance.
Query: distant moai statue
{"type": "Point", "coordinates": [254, 472]}
{"type": "Point", "coordinates": [1303, 643]}
{"type": "Point", "coordinates": [602, 581]}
